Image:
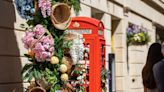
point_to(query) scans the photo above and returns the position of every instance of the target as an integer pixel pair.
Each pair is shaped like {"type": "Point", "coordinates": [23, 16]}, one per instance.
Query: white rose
{"type": "Point", "coordinates": [63, 68]}
{"type": "Point", "coordinates": [64, 77]}
{"type": "Point", "coordinates": [54, 60]}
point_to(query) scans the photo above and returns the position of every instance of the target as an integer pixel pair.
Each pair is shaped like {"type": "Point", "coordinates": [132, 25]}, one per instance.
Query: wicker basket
{"type": "Point", "coordinates": [37, 89]}
{"type": "Point", "coordinates": [61, 16]}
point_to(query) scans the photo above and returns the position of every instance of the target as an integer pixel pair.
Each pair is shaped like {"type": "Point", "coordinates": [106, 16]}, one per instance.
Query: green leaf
{"type": "Point", "coordinates": [26, 76]}
{"type": "Point", "coordinates": [57, 87]}
{"type": "Point", "coordinates": [39, 74]}
{"type": "Point", "coordinates": [45, 22]}
{"type": "Point", "coordinates": [35, 73]}
{"type": "Point", "coordinates": [54, 2]}
{"type": "Point", "coordinates": [26, 68]}
{"type": "Point", "coordinates": [26, 55]}
{"type": "Point", "coordinates": [31, 60]}
{"type": "Point", "coordinates": [76, 5]}
{"type": "Point", "coordinates": [31, 75]}
{"type": "Point", "coordinates": [30, 22]}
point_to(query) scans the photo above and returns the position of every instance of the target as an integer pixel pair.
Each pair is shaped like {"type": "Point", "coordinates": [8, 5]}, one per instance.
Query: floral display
{"type": "Point", "coordinates": [137, 35]}
{"type": "Point", "coordinates": [104, 76]}
{"type": "Point", "coordinates": [46, 45]}
{"type": "Point", "coordinates": [25, 8]}
{"type": "Point", "coordinates": [56, 64]}
{"type": "Point", "coordinates": [79, 78]}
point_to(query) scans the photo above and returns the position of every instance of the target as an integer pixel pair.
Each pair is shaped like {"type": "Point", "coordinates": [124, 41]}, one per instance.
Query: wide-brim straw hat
{"type": "Point", "coordinates": [61, 16]}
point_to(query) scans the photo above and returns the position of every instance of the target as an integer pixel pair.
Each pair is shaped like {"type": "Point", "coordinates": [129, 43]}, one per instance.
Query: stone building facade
{"type": "Point", "coordinates": [115, 14]}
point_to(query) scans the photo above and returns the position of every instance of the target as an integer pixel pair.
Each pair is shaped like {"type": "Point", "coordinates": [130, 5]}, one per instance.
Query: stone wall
{"type": "Point", "coordinates": [11, 48]}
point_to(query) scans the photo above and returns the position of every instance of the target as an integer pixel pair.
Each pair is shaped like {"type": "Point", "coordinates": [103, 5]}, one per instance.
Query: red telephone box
{"type": "Point", "coordinates": [93, 33]}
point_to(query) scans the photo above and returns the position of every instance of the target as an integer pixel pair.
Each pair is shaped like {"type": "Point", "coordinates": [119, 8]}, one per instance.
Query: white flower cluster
{"type": "Point", "coordinates": [77, 48]}
{"type": "Point", "coordinates": [137, 37]}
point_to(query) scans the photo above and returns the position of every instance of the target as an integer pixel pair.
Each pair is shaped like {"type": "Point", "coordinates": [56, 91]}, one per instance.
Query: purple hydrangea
{"type": "Point", "coordinates": [129, 31]}
{"type": "Point", "coordinates": [135, 29]}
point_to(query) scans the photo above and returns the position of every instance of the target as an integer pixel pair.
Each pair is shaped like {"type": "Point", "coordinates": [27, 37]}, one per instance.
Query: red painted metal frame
{"type": "Point", "coordinates": [96, 41]}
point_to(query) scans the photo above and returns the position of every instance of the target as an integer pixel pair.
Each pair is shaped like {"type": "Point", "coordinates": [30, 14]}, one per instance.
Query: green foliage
{"type": "Point", "coordinates": [39, 70]}
{"type": "Point", "coordinates": [76, 5]}
{"type": "Point", "coordinates": [38, 19]}
{"type": "Point", "coordinates": [104, 76]}
{"type": "Point", "coordinates": [31, 71]}
{"type": "Point", "coordinates": [138, 39]}
{"type": "Point", "coordinates": [52, 77]}
{"type": "Point", "coordinates": [73, 3]}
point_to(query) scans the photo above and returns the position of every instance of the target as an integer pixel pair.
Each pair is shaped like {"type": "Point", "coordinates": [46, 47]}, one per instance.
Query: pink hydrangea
{"type": "Point", "coordinates": [39, 30]}
{"type": "Point", "coordinates": [42, 45]}
{"type": "Point", "coordinates": [45, 6]}
{"type": "Point", "coordinates": [38, 48]}
{"type": "Point", "coordinates": [47, 40]}
{"type": "Point", "coordinates": [28, 39]}
{"type": "Point", "coordinates": [41, 54]}
{"type": "Point", "coordinates": [44, 49]}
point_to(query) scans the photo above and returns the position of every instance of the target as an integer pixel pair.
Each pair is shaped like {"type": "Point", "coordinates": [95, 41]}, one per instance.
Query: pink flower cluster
{"type": "Point", "coordinates": [45, 6]}
{"type": "Point", "coordinates": [40, 44]}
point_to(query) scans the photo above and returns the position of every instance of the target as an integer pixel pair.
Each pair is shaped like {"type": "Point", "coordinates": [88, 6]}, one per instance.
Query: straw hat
{"type": "Point", "coordinates": [61, 16]}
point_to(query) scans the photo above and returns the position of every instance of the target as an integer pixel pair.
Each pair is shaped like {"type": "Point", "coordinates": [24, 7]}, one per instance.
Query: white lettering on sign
{"type": "Point", "coordinates": [80, 31]}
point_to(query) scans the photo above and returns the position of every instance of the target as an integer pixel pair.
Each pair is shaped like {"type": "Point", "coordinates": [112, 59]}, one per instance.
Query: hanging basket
{"type": "Point", "coordinates": [61, 16]}
{"type": "Point", "coordinates": [37, 89]}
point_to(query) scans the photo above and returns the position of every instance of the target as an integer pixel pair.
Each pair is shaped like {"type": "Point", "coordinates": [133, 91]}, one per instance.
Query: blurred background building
{"type": "Point", "coordinates": [116, 15]}
{"type": "Point", "coordinates": [129, 60]}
